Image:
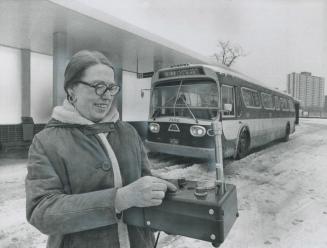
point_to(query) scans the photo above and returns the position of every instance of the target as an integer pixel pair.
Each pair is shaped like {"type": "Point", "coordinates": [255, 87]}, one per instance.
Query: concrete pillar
{"type": "Point", "coordinates": [26, 82]}
{"type": "Point", "coordinates": [27, 120]}
{"type": "Point", "coordinates": [119, 81]}
{"type": "Point", "coordinates": [61, 56]}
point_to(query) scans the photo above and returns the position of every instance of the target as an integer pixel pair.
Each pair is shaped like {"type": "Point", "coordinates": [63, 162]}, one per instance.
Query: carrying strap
{"type": "Point", "coordinates": [122, 227]}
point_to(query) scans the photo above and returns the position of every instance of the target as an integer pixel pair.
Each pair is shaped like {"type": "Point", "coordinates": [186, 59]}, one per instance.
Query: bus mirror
{"type": "Point", "coordinates": [142, 92]}
{"type": "Point", "coordinates": [228, 107]}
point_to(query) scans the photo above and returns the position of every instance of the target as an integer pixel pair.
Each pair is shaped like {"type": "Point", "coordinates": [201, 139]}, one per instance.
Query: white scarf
{"type": "Point", "coordinates": [68, 114]}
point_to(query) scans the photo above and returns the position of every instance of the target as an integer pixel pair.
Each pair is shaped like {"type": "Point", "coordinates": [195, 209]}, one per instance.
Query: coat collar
{"type": "Point", "coordinates": [68, 114]}
{"type": "Point", "coordinates": [68, 117]}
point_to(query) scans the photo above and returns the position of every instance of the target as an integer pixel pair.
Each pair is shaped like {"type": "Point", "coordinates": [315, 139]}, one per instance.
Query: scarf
{"type": "Point", "coordinates": [68, 114]}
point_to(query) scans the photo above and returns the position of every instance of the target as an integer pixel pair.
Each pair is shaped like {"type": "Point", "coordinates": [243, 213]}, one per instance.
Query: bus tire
{"type": "Point", "coordinates": [243, 144]}
{"type": "Point", "coordinates": [287, 133]}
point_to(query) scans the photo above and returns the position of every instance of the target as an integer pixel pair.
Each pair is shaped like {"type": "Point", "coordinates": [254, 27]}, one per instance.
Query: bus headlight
{"type": "Point", "coordinates": [197, 131]}
{"type": "Point", "coordinates": [154, 127]}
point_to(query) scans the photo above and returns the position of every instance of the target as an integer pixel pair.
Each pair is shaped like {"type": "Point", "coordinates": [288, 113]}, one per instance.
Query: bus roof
{"type": "Point", "coordinates": [226, 70]}
{"type": "Point", "coordinates": [229, 71]}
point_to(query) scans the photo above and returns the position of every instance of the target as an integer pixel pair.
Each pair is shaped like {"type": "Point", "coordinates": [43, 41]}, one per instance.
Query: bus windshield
{"type": "Point", "coordinates": [187, 98]}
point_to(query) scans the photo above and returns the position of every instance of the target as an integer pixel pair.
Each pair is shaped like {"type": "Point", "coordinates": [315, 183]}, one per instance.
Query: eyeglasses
{"type": "Point", "coordinates": [101, 87]}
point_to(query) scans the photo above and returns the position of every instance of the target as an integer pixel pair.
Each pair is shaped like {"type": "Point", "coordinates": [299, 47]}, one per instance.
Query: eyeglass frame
{"type": "Point", "coordinates": [102, 83]}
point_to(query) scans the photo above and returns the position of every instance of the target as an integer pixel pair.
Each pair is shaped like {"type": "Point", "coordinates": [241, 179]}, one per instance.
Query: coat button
{"type": "Point", "coordinates": [106, 166]}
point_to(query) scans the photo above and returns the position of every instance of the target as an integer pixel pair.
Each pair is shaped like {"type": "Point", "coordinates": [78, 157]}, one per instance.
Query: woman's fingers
{"type": "Point", "coordinates": [168, 185]}
{"type": "Point", "coordinates": [171, 187]}
{"type": "Point", "coordinates": [159, 186]}
{"type": "Point", "coordinates": [156, 202]}
{"type": "Point", "coordinates": [157, 194]}
{"type": "Point", "coordinates": [163, 185]}
{"type": "Point", "coordinates": [149, 191]}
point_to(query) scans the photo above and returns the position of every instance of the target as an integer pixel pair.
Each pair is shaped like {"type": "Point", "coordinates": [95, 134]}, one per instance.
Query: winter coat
{"type": "Point", "coordinates": [70, 191]}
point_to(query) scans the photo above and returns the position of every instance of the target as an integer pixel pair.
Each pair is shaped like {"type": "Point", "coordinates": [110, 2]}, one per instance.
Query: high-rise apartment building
{"type": "Point", "coordinates": [308, 89]}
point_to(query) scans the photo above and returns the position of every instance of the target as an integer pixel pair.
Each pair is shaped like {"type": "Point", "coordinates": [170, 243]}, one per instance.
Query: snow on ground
{"type": "Point", "coordinates": [282, 195]}
{"type": "Point", "coordinates": [15, 232]}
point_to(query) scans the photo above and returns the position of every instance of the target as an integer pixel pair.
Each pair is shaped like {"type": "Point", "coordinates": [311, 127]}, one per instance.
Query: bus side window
{"type": "Point", "coordinates": [277, 104]}
{"type": "Point", "coordinates": [247, 97]}
{"type": "Point", "coordinates": [291, 105]}
{"type": "Point", "coordinates": [238, 101]}
{"type": "Point", "coordinates": [287, 107]}
{"type": "Point", "coordinates": [256, 99]}
{"type": "Point", "coordinates": [284, 104]}
{"type": "Point", "coordinates": [267, 100]}
{"type": "Point", "coordinates": [251, 98]}
{"type": "Point", "coordinates": [228, 100]}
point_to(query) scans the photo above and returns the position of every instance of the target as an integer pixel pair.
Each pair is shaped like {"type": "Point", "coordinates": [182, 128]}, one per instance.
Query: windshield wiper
{"type": "Point", "coordinates": [157, 111]}
{"type": "Point", "coordinates": [189, 109]}
{"type": "Point", "coordinates": [184, 100]}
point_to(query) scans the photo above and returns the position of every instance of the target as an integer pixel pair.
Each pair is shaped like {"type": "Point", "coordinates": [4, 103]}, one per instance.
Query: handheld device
{"type": "Point", "coordinates": [197, 209]}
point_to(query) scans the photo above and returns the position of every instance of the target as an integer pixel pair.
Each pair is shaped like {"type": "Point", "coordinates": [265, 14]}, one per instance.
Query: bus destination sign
{"type": "Point", "coordinates": [181, 72]}
{"type": "Point", "coordinates": [145, 74]}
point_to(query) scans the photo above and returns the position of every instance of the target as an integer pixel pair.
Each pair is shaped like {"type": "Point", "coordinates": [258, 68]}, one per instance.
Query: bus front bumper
{"type": "Point", "coordinates": [180, 150]}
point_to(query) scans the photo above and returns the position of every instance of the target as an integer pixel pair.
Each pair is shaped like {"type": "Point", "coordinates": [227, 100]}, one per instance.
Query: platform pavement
{"type": "Point", "coordinates": [12, 156]}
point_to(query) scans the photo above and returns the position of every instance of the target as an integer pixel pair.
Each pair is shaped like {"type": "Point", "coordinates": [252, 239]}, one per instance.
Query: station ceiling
{"type": "Point", "coordinates": [30, 24]}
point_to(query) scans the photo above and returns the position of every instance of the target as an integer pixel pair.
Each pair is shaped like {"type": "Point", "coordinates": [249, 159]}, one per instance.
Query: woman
{"type": "Point", "coordinates": [86, 166]}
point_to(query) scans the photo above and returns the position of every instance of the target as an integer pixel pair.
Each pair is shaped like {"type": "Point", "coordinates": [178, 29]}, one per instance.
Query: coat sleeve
{"type": "Point", "coordinates": [145, 163]}
{"type": "Point", "coordinates": [52, 211]}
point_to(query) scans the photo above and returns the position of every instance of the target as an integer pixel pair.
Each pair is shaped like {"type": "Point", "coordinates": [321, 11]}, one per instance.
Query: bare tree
{"type": "Point", "coordinates": [228, 53]}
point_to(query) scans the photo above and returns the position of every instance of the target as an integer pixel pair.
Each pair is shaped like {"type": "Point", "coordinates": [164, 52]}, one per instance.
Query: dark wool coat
{"type": "Point", "coordinates": [70, 185]}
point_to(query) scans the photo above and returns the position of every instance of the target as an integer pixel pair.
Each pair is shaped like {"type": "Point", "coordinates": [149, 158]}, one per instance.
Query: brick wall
{"type": "Point", "coordinates": [11, 134]}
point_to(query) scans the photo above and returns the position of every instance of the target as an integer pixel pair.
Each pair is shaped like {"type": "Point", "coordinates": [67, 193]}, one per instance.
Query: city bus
{"type": "Point", "coordinates": [187, 99]}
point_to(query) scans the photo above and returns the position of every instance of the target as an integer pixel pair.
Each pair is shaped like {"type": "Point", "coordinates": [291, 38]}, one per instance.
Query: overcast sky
{"type": "Point", "coordinates": [279, 36]}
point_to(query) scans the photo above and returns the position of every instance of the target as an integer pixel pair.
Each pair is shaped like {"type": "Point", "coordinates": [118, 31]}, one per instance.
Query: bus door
{"type": "Point", "coordinates": [230, 107]}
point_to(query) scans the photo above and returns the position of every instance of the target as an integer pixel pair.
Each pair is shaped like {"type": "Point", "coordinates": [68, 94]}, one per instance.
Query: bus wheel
{"type": "Point", "coordinates": [243, 145]}
{"type": "Point", "coordinates": [287, 133]}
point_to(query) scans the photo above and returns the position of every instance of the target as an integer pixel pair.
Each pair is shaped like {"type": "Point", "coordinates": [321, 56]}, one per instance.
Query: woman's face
{"type": "Point", "coordinates": [88, 103]}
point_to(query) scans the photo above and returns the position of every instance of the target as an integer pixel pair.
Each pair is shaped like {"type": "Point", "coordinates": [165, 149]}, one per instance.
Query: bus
{"type": "Point", "coordinates": [187, 99]}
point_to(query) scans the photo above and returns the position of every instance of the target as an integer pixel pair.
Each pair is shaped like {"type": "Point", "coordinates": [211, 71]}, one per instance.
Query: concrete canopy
{"type": "Point", "coordinates": [31, 24]}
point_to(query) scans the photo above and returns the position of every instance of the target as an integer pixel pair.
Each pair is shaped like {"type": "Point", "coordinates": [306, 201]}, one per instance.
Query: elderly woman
{"type": "Point", "coordinates": [87, 166]}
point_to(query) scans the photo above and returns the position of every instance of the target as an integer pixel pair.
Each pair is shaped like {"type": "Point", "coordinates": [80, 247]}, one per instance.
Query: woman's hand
{"type": "Point", "coordinates": [145, 192]}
